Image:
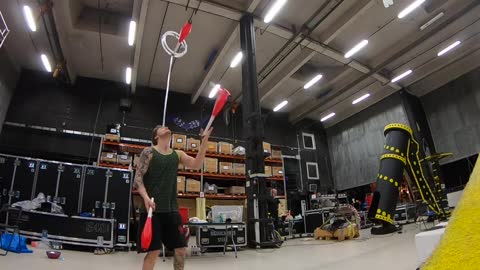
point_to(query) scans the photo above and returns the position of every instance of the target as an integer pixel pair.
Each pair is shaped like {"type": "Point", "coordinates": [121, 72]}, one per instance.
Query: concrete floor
{"type": "Point", "coordinates": [395, 252]}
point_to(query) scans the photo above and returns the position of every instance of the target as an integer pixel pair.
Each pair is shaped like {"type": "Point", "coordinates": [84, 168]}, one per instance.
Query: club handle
{"type": "Point", "coordinates": [150, 209]}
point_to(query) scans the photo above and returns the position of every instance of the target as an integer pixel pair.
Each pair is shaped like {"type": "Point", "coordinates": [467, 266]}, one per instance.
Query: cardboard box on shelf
{"type": "Point", "coordinates": [225, 148]}
{"type": "Point", "coordinates": [188, 169]}
{"type": "Point", "coordinates": [210, 189]}
{"type": "Point", "coordinates": [239, 168]}
{"type": "Point", "coordinates": [267, 148]}
{"type": "Point", "coordinates": [268, 170]}
{"type": "Point", "coordinates": [235, 190]}
{"type": "Point", "coordinates": [226, 167]}
{"type": "Point", "coordinates": [212, 147]}
{"type": "Point", "coordinates": [112, 137]}
{"type": "Point", "coordinates": [193, 144]}
{"type": "Point", "coordinates": [276, 154]}
{"type": "Point", "coordinates": [108, 157]}
{"type": "Point", "coordinates": [180, 184]}
{"type": "Point", "coordinates": [277, 171]}
{"type": "Point", "coordinates": [211, 165]}
{"type": "Point", "coordinates": [192, 186]}
{"type": "Point", "coordinates": [124, 159]}
{"type": "Point", "coordinates": [179, 141]}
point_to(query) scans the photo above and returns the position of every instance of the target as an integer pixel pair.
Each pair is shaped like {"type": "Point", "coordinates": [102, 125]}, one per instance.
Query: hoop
{"type": "Point", "coordinates": [182, 47]}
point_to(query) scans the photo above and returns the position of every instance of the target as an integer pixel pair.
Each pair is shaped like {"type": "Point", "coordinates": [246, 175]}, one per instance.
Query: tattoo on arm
{"type": "Point", "coordinates": [142, 167]}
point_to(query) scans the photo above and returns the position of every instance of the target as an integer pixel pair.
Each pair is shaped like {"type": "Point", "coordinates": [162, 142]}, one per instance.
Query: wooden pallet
{"type": "Point", "coordinates": [339, 234]}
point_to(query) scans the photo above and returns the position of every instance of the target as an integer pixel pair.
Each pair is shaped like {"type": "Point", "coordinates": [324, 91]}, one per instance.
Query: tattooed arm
{"type": "Point", "coordinates": [142, 167]}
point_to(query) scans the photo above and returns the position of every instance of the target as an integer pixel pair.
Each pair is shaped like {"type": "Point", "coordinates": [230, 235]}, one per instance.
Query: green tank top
{"type": "Point", "coordinates": [160, 180]}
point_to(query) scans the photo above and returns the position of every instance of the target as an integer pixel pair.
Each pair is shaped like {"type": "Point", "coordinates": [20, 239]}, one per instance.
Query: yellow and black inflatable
{"type": "Point", "coordinates": [401, 151]}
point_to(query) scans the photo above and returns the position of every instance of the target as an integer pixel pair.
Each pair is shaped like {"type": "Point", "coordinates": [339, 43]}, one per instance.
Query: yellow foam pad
{"type": "Point", "coordinates": [459, 248]}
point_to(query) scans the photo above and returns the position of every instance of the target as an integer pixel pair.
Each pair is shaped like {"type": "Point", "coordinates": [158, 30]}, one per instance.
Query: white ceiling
{"type": "Point", "coordinates": [394, 46]}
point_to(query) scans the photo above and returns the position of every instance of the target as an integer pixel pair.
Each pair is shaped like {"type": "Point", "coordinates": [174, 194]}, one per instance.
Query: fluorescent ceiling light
{"type": "Point", "coordinates": [430, 22]}
{"type": "Point", "coordinates": [410, 8]}
{"type": "Point", "coordinates": [236, 60]}
{"type": "Point", "coordinates": [128, 75]}
{"type": "Point", "coordinates": [327, 117]}
{"type": "Point", "coordinates": [131, 33]}
{"type": "Point", "coordinates": [281, 105]}
{"type": "Point", "coordinates": [360, 98]}
{"type": "Point", "coordinates": [46, 63]}
{"type": "Point", "coordinates": [29, 17]}
{"type": "Point", "coordinates": [214, 91]}
{"type": "Point", "coordinates": [401, 76]}
{"type": "Point", "coordinates": [274, 10]}
{"type": "Point", "coordinates": [356, 48]}
{"type": "Point", "coordinates": [451, 46]}
{"type": "Point", "coordinates": [313, 81]}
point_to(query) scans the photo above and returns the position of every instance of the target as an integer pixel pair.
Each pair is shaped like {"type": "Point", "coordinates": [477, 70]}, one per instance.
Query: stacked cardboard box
{"type": "Point", "coordinates": [235, 190]}
{"type": "Point", "coordinates": [181, 184]}
{"type": "Point", "coordinates": [211, 165]}
{"type": "Point", "coordinates": [124, 159]}
{"type": "Point", "coordinates": [239, 168]}
{"type": "Point", "coordinates": [210, 189]}
{"type": "Point", "coordinates": [225, 148]}
{"type": "Point", "coordinates": [226, 167]}
{"type": "Point", "coordinates": [179, 141]}
{"type": "Point", "coordinates": [112, 137]}
{"type": "Point", "coordinates": [108, 157]}
{"type": "Point", "coordinates": [268, 170]}
{"type": "Point", "coordinates": [267, 148]}
{"type": "Point", "coordinates": [277, 171]}
{"type": "Point", "coordinates": [212, 147]}
{"type": "Point", "coordinates": [276, 154]}
{"type": "Point", "coordinates": [193, 144]}
{"type": "Point", "coordinates": [192, 186]}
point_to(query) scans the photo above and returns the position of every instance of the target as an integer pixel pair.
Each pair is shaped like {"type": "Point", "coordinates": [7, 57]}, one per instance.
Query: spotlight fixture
{"type": "Point", "coordinates": [356, 48]}
{"type": "Point", "coordinates": [450, 47]}
{"type": "Point", "coordinates": [29, 18]}
{"type": "Point", "coordinates": [214, 91]}
{"type": "Point", "coordinates": [313, 81]}
{"type": "Point", "coordinates": [276, 7]}
{"type": "Point", "coordinates": [46, 63]}
{"type": "Point", "coordinates": [410, 8]}
{"type": "Point", "coordinates": [128, 75]}
{"type": "Point", "coordinates": [401, 76]}
{"type": "Point", "coordinates": [330, 115]}
{"type": "Point", "coordinates": [432, 20]}
{"type": "Point", "coordinates": [131, 33]}
{"type": "Point", "coordinates": [281, 105]}
{"type": "Point", "coordinates": [236, 60]}
{"type": "Point", "coordinates": [360, 99]}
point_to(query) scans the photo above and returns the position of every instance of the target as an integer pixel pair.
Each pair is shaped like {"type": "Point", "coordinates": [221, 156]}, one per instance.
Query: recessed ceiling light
{"type": "Point", "coordinates": [356, 48]}
{"type": "Point", "coordinates": [330, 115]}
{"type": "Point", "coordinates": [128, 75]}
{"type": "Point", "coordinates": [214, 91]}
{"type": "Point", "coordinates": [29, 17]}
{"type": "Point", "coordinates": [313, 81]}
{"type": "Point", "coordinates": [431, 21]}
{"type": "Point", "coordinates": [46, 63]}
{"type": "Point", "coordinates": [131, 33]}
{"type": "Point", "coordinates": [360, 98]}
{"type": "Point", "coordinates": [281, 105]}
{"type": "Point", "coordinates": [450, 47]}
{"type": "Point", "coordinates": [236, 60]}
{"type": "Point", "coordinates": [274, 10]}
{"type": "Point", "coordinates": [410, 8]}
{"type": "Point", "coordinates": [401, 76]}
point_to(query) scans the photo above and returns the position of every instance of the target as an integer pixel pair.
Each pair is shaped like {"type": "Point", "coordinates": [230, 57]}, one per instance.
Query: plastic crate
{"type": "Point", "coordinates": [220, 213]}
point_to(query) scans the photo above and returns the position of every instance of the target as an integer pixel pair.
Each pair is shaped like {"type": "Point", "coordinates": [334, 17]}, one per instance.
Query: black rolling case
{"type": "Point", "coordinates": [7, 166]}
{"type": "Point", "coordinates": [23, 177]}
{"type": "Point", "coordinates": [46, 180]}
{"type": "Point", "coordinates": [107, 194]}
{"type": "Point", "coordinates": [68, 190]}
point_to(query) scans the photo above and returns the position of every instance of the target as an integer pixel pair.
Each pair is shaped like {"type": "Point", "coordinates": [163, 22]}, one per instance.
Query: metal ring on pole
{"type": "Point", "coordinates": [182, 49]}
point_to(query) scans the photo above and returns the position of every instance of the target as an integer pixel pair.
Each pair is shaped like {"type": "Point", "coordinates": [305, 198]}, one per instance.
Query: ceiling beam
{"type": "Point", "coordinates": [223, 51]}
{"type": "Point", "coordinates": [141, 20]}
{"type": "Point", "coordinates": [266, 89]}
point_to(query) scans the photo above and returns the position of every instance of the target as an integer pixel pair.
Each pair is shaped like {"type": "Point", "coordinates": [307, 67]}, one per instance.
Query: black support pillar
{"type": "Point", "coordinates": [253, 126]}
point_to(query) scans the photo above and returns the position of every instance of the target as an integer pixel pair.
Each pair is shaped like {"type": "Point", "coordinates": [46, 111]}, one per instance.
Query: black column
{"type": "Point", "coordinates": [253, 128]}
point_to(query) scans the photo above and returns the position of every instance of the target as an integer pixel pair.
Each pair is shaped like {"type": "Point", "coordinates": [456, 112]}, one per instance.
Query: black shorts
{"type": "Point", "coordinates": [166, 229]}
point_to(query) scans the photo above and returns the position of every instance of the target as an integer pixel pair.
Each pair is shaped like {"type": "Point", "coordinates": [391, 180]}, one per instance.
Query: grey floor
{"type": "Point", "coordinates": [395, 252]}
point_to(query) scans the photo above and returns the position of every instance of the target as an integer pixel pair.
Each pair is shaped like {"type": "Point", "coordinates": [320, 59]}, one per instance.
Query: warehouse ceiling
{"type": "Point", "coordinates": [306, 38]}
